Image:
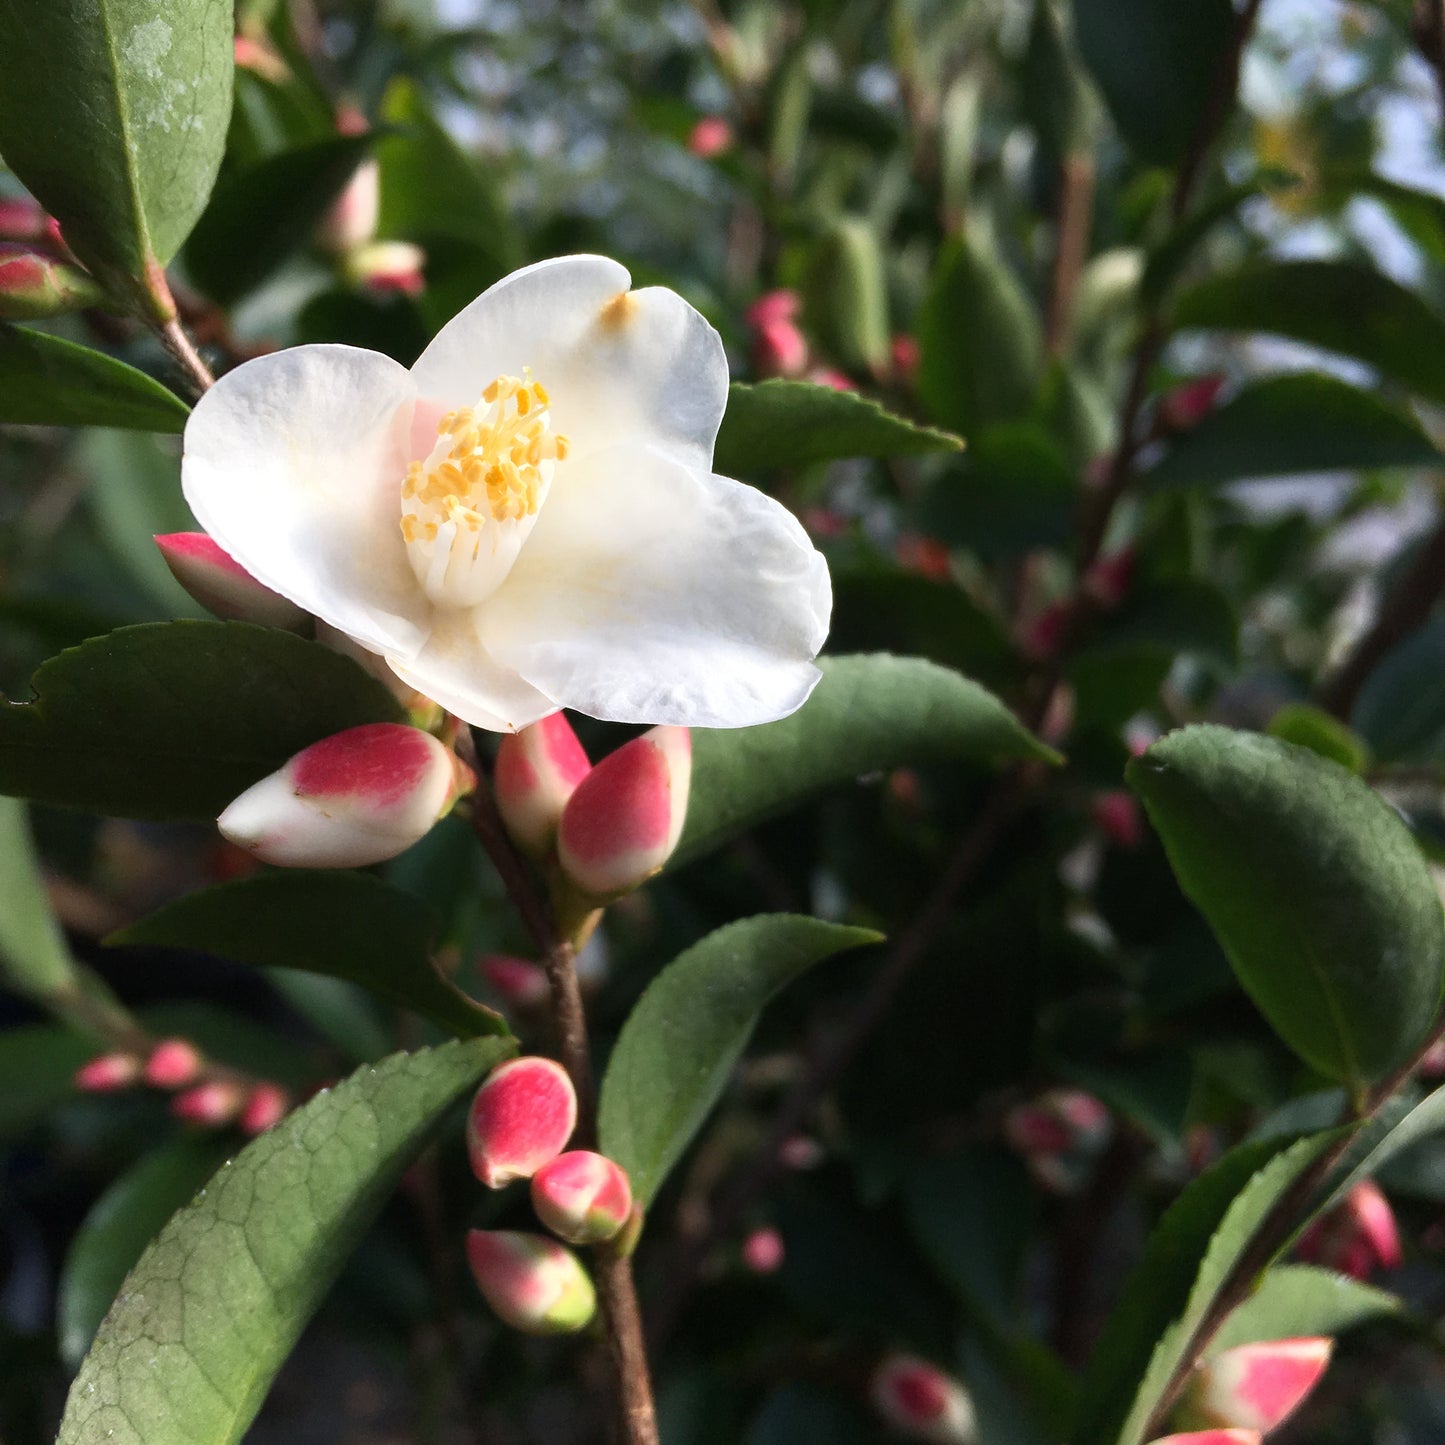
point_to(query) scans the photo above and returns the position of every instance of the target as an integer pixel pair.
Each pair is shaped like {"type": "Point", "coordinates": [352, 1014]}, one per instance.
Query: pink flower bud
{"type": "Point", "coordinates": [34, 285]}
{"type": "Point", "coordinates": [537, 771]}
{"type": "Point", "coordinates": [582, 1197]}
{"type": "Point", "coordinates": [1043, 635]}
{"type": "Point", "coordinates": [905, 354]}
{"type": "Point", "coordinates": [355, 798]}
{"type": "Point", "coordinates": [779, 349]}
{"type": "Point", "coordinates": [535, 1284]}
{"type": "Point", "coordinates": [1186, 406]}
{"type": "Point", "coordinates": [351, 219]}
{"type": "Point", "coordinates": [918, 1399]}
{"type": "Point", "coordinates": [1212, 1437]}
{"type": "Point", "coordinates": [1108, 581]}
{"type": "Point", "coordinates": [783, 305]}
{"type": "Point", "coordinates": [1357, 1237]}
{"type": "Point", "coordinates": [520, 1119]}
{"type": "Point", "coordinates": [260, 59]}
{"type": "Point", "coordinates": [265, 1107]}
{"type": "Point", "coordinates": [22, 220]}
{"type": "Point", "coordinates": [224, 587]}
{"type": "Point", "coordinates": [626, 816]}
{"type": "Point", "coordinates": [386, 268]}
{"type": "Point", "coordinates": [710, 137]}
{"type": "Point", "coordinates": [1032, 1130]}
{"type": "Point", "coordinates": [830, 376]}
{"type": "Point", "coordinates": [520, 983]}
{"type": "Point", "coordinates": [173, 1064]}
{"type": "Point", "coordinates": [213, 1103]}
{"type": "Point", "coordinates": [763, 1251]}
{"type": "Point", "coordinates": [800, 1152]}
{"type": "Point", "coordinates": [924, 555]}
{"type": "Point", "coordinates": [1117, 816]}
{"type": "Point", "coordinates": [1254, 1387]}
{"type": "Point", "coordinates": [1432, 1062]}
{"type": "Point", "coordinates": [107, 1073]}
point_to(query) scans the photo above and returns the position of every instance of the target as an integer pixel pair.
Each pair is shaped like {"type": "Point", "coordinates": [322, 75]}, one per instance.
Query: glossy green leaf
{"type": "Point", "coordinates": [979, 341]}
{"type": "Point", "coordinates": [1157, 63]}
{"type": "Point", "coordinates": [679, 1044]}
{"type": "Point", "coordinates": [1401, 708]}
{"type": "Point", "coordinates": [34, 957]}
{"type": "Point", "coordinates": [261, 215]}
{"type": "Point", "coordinates": [1189, 1258]}
{"type": "Point", "coordinates": [213, 1307]}
{"type": "Point", "coordinates": [347, 925]}
{"type": "Point", "coordinates": [37, 1073]}
{"type": "Point", "coordinates": [118, 1227]}
{"type": "Point", "coordinates": [114, 114]}
{"type": "Point", "coordinates": [1314, 887]}
{"type": "Point", "coordinates": [869, 712]}
{"type": "Point", "coordinates": [1294, 1300]}
{"type": "Point", "coordinates": [1286, 425]}
{"type": "Point", "coordinates": [1392, 1132]}
{"type": "Point", "coordinates": [195, 712]}
{"type": "Point", "coordinates": [1341, 306]}
{"type": "Point", "coordinates": [793, 423]}
{"type": "Point", "coordinates": [1310, 727]}
{"type": "Point", "coordinates": [846, 296]}
{"type": "Point", "coordinates": [45, 381]}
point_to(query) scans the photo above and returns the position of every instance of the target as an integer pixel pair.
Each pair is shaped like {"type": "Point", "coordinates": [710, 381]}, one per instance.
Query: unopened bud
{"type": "Point", "coordinates": [781, 305]}
{"type": "Point", "coordinates": [1212, 1437]}
{"type": "Point", "coordinates": [1107, 582]}
{"type": "Point", "coordinates": [779, 349]}
{"type": "Point", "coordinates": [521, 983]}
{"type": "Point", "coordinates": [357, 797]}
{"type": "Point", "coordinates": [624, 820]}
{"type": "Point", "coordinates": [22, 220]}
{"type": "Point", "coordinates": [763, 1251]}
{"type": "Point", "coordinates": [521, 1118]}
{"type": "Point", "coordinates": [1043, 635]}
{"type": "Point", "coordinates": [107, 1073]}
{"type": "Point", "coordinates": [173, 1064]}
{"type": "Point", "coordinates": [213, 1103]}
{"type": "Point", "coordinates": [920, 1400]}
{"type": "Point", "coordinates": [1117, 816]}
{"type": "Point", "coordinates": [535, 1284]}
{"type": "Point", "coordinates": [905, 354]}
{"type": "Point", "coordinates": [1254, 1387]}
{"type": "Point", "coordinates": [832, 378]}
{"type": "Point", "coordinates": [538, 770]}
{"type": "Point", "coordinates": [387, 268]}
{"type": "Point", "coordinates": [1059, 1135]}
{"type": "Point", "coordinates": [1357, 1237]}
{"type": "Point", "coordinates": [926, 556]}
{"type": "Point", "coordinates": [265, 1107]}
{"type": "Point", "coordinates": [222, 586]}
{"type": "Point", "coordinates": [259, 58]}
{"type": "Point", "coordinates": [34, 285]}
{"type": "Point", "coordinates": [1186, 406]}
{"type": "Point", "coordinates": [351, 220]}
{"type": "Point", "coordinates": [582, 1197]}
{"type": "Point", "coordinates": [710, 137]}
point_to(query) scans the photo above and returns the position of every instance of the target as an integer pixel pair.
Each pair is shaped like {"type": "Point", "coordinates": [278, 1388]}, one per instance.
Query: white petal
{"type": "Point", "coordinates": [294, 464]}
{"type": "Point", "coordinates": [456, 670]}
{"type": "Point", "coordinates": [652, 593]}
{"type": "Point", "coordinates": [618, 364]}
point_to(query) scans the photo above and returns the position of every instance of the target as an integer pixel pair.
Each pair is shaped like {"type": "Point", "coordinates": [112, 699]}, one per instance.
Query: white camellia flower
{"type": "Point", "coordinates": [527, 519]}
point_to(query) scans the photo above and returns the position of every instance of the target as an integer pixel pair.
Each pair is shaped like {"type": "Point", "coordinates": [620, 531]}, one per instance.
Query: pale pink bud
{"type": "Point", "coordinates": [22, 220]}
{"type": "Point", "coordinates": [1108, 581]}
{"type": "Point", "coordinates": [1357, 1237]}
{"type": "Point", "coordinates": [924, 555]}
{"type": "Point", "coordinates": [34, 285]}
{"type": "Point", "coordinates": [537, 771]}
{"type": "Point", "coordinates": [213, 1103]}
{"type": "Point", "coordinates": [824, 522]}
{"type": "Point", "coordinates": [107, 1073]}
{"type": "Point", "coordinates": [1117, 816]}
{"type": "Point", "coordinates": [905, 354]}
{"type": "Point", "coordinates": [222, 586]}
{"type": "Point", "coordinates": [710, 137]}
{"type": "Point", "coordinates": [626, 816]}
{"type": "Point", "coordinates": [173, 1064]}
{"type": "Point", "coordinates": [1058, 1119]}
{"type": "Point", "coordinates": [1254, 1387]}
{"type": "Point", "coordinates": [1043, 635]}
{"type": "Point", "coordinates": [357, 797]}
{"type": "Point", "coordinates": [779, 349]}
{"type": "Point", "coordinates": [1032, 1130]}
{"type": "Point", "coordinates": [387, 268]}
{"type": "Point", "coordinates": [1211, 1437]}
{"type": "Point", "coordinates": [1432, 1061]}
{"type": "Point", "coordinates": [351, 219]}
{"type": "Point", "coordinates": [1187, 405]}
{"type": "Point", "coordinates": [582, 1197]}
{"type": "Point", "coordinates": [265, 1107]}
{"type": "Point", "coordinates": [260, 59]}
{"type": "Point", "coordinates": [535, 1284]}
{"type": "Point", "coordinates": [798, 1151]}
{"type": "Point", "coordinates": [918, 1399]}
{"type": "Point", "coordinates": [763, 1251]}
{"type": "Point", "coordinates": [520, 1119]}
{"type": "Point", "coordinates": [830, 376]}
{"type": "Point", "coordinates": [782, 305]}
{"type": "Point", "coordinates": [521, 983]}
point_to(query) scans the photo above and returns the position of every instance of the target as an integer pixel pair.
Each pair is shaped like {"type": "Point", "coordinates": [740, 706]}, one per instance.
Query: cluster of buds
{"type": "Point", "coordinates": [201, 1093]}
{"type": "Point", "coordinates": [1059, 1134]}
{"type": "Point", "coordinates": [1253, 1388]}
{"type": "Point", "coordinates": [921, 1401]}
{"type": "Point", "coordinates": [517, 1128]}
{"type": "Point", "coordinates": [1357, 1237]}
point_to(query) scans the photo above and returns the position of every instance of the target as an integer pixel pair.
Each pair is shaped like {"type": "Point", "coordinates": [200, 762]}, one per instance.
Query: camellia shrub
{"type": "Point", "coordinates": [722, 723]}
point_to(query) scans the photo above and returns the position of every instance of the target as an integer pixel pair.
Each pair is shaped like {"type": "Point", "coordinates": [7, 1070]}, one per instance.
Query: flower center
{"type": "Point", "coordinates": [469, 505]}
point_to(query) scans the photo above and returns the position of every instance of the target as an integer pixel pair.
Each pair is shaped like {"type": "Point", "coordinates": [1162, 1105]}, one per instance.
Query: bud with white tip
{"type": "Point", "coordinates": [222, 586]}
{"type": "Point", "coordinates": [537, 771]}
{"type": "Point", "coordinates": [1254, 1387]}
{"type": "Point", "coordinates": [355, 798]}
{"type": "Point", "coordinates": [521, 1118]}
{"type": "Point", "coordinates": [535, 1284]}
{"type": "Point", "coordinates": [582, 1197]}
{"type": "Point", "coordinates": [625, 819]}
{"type": "Point", "coordinates": [1212, 1437]}
{"type": "Point", "coordinates": [923, 1402]}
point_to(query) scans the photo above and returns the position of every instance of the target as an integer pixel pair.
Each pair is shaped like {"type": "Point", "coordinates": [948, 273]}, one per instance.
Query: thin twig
{"type": "Point", "coordinates": [1075, 211]}
{"type": "Point", "coordinates": [185, 355]}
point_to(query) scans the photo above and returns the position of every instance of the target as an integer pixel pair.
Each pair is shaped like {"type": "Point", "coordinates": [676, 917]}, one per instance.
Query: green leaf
{"type": "Point", "coordinates": [114, 114]}
{"type": "Point", "coordinates": [37, 1073]}
{"type": "Point", "coordinates": [847, 296]}
{"type": "Point", "coordinates": [679, 1044]}
{"type": "Point", "coordinates": [34, 957]}
{"type": "Point", "coordinates": [869, 712]}
{"type": "Point", "coordinates": [1401, 708]}
{"type": "Point", "coordinates": [1294, 1300]}
{"type": "Point", "coordinates": [1189, 1258]}
{"type": "Point", "coordinates": [1314, 887]}
{"type": "Point", "coordinates": [1285, 425]}
{"type": "Point", "coordinates": [1341, 306]}
{"type": "Point", "coordinates": [118, 1227]}
{"type": "Point", "coordinates": [45, 381]}
{"type": "Point", "coordinates": [208, 1315]}
{"type": "Point", "coordinates": [1157, 63]}
{"type": "Point", "coordinates": [1386, 1137]}
{"type": "Point", "coordinates": [793, 423]}
{"type": "Point", "coordinates": [1310, 727]}
{"type": "Point", "coordinates": [347, 925]}
{"type": "Point", "coordinates": [980, 350]}
{"type": "Point", "coordinates": [194, 713]}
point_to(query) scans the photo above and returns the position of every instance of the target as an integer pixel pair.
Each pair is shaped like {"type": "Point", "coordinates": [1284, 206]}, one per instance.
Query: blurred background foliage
{"type": "Point", "coordinates": [1031, 224]}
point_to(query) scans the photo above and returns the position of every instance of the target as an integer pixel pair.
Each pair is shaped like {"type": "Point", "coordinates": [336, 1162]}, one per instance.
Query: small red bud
{"type": "Point", "coordinates": [782, 305]}
{"type": "Point", "coordinates": [905, 353]}
{"type": "Point", "coordinates": [1256, 1386]}
{"type": "Point", "coordinates": [521, 983]}
{"type": "Point", "coordinates": [213, 1103]}
{"type": "Point", "coordinates": [582, 1197]}
{"type": "Point", "coordinates": [1212, 1437]}
{"type": "Point", "coordinates": [107, 1073]}
{"type": "Point", "coordinates": [1187, 405]}
{"type": "Point", "coordinates": [535, 1284]}
{"type": "Point", "coordinates": [923, 1402]}
{"type": "Point", "coordinates": [224, 587]}
{"type": "Point", "coordinates": [521, 1118]}
{"type": "Point", "coordinates": [1118, 817]}
{"type": "Point", "coordinates": [1043, 636]}
{"type": "Point", "coordinates": [1357, 1237]}
{"type": "Point", "coordinates": [265, 1107]}
{"type": "Point", "coordinates": [926, 556]}
{"type": "Point", "coordinates": [763, 1251]}
{"type": "Point", "coordinates": [831, 377]}
{"type": "Point", "coordinates": [386, 268]}
{"type": "Point", "coordinates": [710, 137]}
{"type": "Point", "coordinates": [260, 59]}
{"type": "Point", "coordinates": [1108, 581]}
{"type": "Point", "coordinates": [537, 771]}
{"type": "Point", "coordinates": [779, 349]}
{"type": "Point", "coordinates": [173, 1064]}
{"type": "Point", "coordinates": [34, 286]}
